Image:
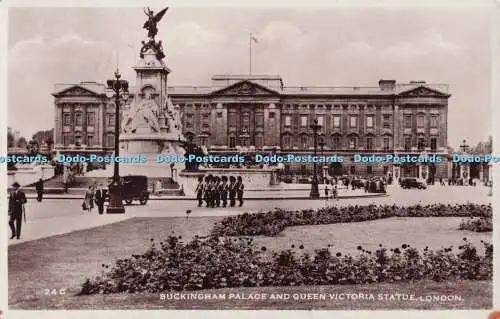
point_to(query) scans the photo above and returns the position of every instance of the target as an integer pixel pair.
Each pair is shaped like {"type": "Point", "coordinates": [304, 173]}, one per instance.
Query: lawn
{"type": "Point", "coordinates": [63, 262]}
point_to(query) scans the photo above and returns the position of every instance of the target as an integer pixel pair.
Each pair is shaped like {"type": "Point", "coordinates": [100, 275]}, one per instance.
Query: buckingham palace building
{"type": "Point", "coordinates": [258, 113]}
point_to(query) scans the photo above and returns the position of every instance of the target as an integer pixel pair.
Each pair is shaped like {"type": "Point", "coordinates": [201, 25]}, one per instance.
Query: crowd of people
{"type": "Point", "coordinates": [215, 191]}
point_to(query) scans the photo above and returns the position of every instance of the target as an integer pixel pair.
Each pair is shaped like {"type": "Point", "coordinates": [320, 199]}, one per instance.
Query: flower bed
{"type": "Point", "coordinates": [222, 262]}
{"type": "Point", "coordinates": [274, 222]}
{"type": "Point", "coordinates": [481, 224]}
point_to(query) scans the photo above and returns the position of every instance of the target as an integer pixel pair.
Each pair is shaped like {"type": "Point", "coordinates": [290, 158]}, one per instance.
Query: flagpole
{"type": "Point", "coordinates": [250, 55]}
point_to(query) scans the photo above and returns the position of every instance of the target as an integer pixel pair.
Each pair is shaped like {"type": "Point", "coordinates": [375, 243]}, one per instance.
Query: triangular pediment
{"type": "Point", "coordinates": [76, 90]}
{"type": "Point", "coordinates": [245, 88]}
{"type": "Point", "coordinates": [422, 91]}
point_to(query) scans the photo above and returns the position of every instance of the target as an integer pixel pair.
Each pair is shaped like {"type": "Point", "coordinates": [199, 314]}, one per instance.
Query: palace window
{"type": "Point", "coordinates": [206, 126]}
{"type": "Point", "coordinates": [387, 144]}
{"type": "Point", "coordinates": [353, 123]}
{"type": "Point", "coordinates": [387, 121]}
{"type": "Point", "coordinates": [336, 143]}
{"type": "Point", "coordinates": [219, 115]}
{"type": "Point", "coordinates": [420, 121]}
{"type": "Point", "coordinates": [303, 121]}
{"type": "Point", "coordinates": [206, 115]}
{"type": "Point", "coordinates": [110, 140]}
{"type": "Point", "coordinates": [78, 118]}
{"type": "Point", "coordinates": [91, 119]}
{"type": "Point", "coordinates": [189, 124]}
{"type": "Point", "coordinates": [232, 142]}
{"type": "Point", "coordinates": [320, 121]}
{"type": "Point", "coordinates": [352, 143]}
{"type": "Point", "coordinates": [66, 139]}
{"type": "Point", "coordinates": [67, 119]}
{"type": "Point", "coordinates": [286, 142]}
{"type": "Point", "coordinates": [111, 119]}
{"type": "Point", "coordinates": [433, 144]}
{"type": "Point", "coordinates": [369, 170]}
{"type": "Point", "coordinates": [407, 121]}
{"type": "Point", "coordinates": [353, 170]}
{"type": "Point", "coordinates": [90, 140]}
{"type": "Point", "coordinates": [259, 141]}
{"type": "Point", "coordinates": [288, 121]}
{"type": "Point", "coordinates": [369, 143]}
{"type": "Point", "coordinates": [303, 141]}
{"type": "Point", "coordinates": [369, 121]}
{"type": "Point", "coordinates": [434, 121]}
{"type": "Point", "coordinates": [336, 122]}
{"type": "Point", "coordinates": [246, 119]}
{"type": "Point", "coordinates": [271, 115]}
{"type": "Point", "coordinates": [407, 143]}
{"type": "Point", "coordinates": [421, 143]}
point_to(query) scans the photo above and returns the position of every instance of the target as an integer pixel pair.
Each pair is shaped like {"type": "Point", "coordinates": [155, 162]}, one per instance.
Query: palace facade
{"type": "Point", "coordinates": [258, 113]}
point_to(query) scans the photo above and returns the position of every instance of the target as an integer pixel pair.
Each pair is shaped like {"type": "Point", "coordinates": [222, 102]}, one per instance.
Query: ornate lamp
{"type": "Point", "coordinates": [118, 88]}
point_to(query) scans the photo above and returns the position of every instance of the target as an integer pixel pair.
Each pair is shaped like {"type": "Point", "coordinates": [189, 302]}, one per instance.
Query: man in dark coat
{"type": "Point", "coordinates": [100, 198]}
{"type": "Point", "coordinates": [39, 190]}
{"type": "Point", "coordinates": [223, 191]}
{"type": "Point", "coordinates": [17, 199]}
{"type": "Point", "coordinates": [239, 190]}
{"type": "Point", "coordinates": [200, 188]}
{"type": "Point", "coordinates": [232, 191]}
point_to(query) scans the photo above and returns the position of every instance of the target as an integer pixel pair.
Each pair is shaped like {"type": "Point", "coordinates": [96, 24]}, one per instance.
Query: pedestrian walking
{"type": "Point", "coordinates": [17, 199]}
{"type": "Point", "coordinates": [240, 189]}
{"type": "Point", "coordinates": [87, 201]}
{"type": "Point", "coordinates": [327, 192]}
{"type": "Point", "coordinates": [39, 190]}
{"type": "Point", "coordinates": [335, 193]}
{"type": "Point", "coordinates": [100, 198]}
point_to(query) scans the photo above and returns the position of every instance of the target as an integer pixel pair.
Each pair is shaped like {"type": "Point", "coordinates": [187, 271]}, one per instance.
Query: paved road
{"type": "Point", "coordinates": [59, 216]}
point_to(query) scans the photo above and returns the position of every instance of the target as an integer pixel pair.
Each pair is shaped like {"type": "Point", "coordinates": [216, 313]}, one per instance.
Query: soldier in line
{"type": "Point", "coordinates": [217, 193]}
{"type": "Point", "coordinates": [199, 190]}
{"type": "Point", "coordinates": [207, 190]}
{"type": "Point", "coordinates": [232, 191]}
{"type": "Point", "coordinates": [224, 190]}
{"type": "Point", "coordinates": [240, 188]}
{"type": "Point", "coordinates": [17, 199]}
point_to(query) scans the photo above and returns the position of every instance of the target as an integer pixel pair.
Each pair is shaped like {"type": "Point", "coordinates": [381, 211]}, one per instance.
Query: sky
{"type": "Point", "coordinates": [306, 46]}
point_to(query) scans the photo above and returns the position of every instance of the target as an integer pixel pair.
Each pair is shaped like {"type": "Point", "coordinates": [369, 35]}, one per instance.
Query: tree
{"type": "Point", "coordinates": [45, 137]}
{"type": "Point", "coordinates": [485, 147]}
{"type": "Point", "coordinates": [10, 140]}
{"type": "Point", "coordinates": [22, 143]}
{"type": "Point", "coordinates": [33, 147]}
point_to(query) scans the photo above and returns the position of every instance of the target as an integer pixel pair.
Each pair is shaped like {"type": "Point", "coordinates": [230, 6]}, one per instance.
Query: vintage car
{"type": "Point", "coordinates": [413, 183]}
{"type": "Point", "coordinates": [134, 187]}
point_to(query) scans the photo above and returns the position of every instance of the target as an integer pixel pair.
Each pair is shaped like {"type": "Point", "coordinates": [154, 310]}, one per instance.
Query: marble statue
{"type": "Point", "coordinates": [142, 115]}
{"type": "Point", "coordinates": [174, 120]}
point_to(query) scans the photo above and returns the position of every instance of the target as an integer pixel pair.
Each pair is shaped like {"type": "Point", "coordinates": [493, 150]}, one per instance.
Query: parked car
{"type": "Point", "coordinates": [134, 187]}
{"type": "Point", "coordinates": [358, 183]}
{"type": "Point", "coordinates": [413, 183]}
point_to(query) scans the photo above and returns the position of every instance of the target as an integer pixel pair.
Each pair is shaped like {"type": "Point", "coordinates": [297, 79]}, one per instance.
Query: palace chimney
{"type": "Point", "coordinates": [387, 85]}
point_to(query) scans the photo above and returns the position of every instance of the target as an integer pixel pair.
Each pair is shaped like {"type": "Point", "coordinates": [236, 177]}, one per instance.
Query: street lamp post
{"type": "Point", "coordinates": [115, 196]}
{"type": "Point", "coordinates": [314, 185]}
{"type": "Point", "coordinates": [322, 146]}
